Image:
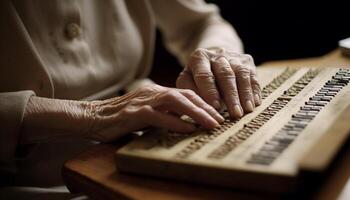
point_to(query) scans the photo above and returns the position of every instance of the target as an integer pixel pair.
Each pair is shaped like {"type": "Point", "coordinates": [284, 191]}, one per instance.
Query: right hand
{"type": "Point", "coordinates": [222, 74]}
{"type": "Point", "coordinates": [153, 105]}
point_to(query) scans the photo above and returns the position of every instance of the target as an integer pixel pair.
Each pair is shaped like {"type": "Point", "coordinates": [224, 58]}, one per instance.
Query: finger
{"type": "Point", "coordinates": [164, 120]}
{"type": "Point", "coordinates": [185, 81]}
{"type": "Point", "coordinates": [174, 101]}
{"type": "Point", "coordinates": [226, 79]}
{"type": "Point", "coordinates": [199, 65]}
{"type": "Point", "coordinates": [192, 96]}
{"type": "Point", "coordinates": [243, 84]}
{"type": "Point", "coordinates": [133, 118]}
{"type": "Point", "coordinates": [256, 87]}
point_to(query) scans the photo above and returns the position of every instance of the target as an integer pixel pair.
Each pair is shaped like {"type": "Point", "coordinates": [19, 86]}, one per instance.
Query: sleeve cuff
{"type": "Point", "coordinates": [12, 107]}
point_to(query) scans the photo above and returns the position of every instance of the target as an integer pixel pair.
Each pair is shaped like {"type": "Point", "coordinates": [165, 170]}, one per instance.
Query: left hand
{"type": "Point", "coordinates": [219, 73]}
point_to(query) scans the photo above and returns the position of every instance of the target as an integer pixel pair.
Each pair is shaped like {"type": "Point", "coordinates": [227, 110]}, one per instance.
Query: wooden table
{"type": "Point", "coordinates": [94, 173]}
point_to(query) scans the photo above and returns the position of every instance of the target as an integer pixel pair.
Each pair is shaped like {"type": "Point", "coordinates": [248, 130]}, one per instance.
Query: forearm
{"type": "Point", "coordinates": [191, 24]}
{"type": "Point", "coordinates": [217, 33]}
{"type": "Point", "coordinates": [214, 33]}
{"type": "Point", "coordinates": [109, 119]}
{"type": "Point", "coordinates": [50, 118]}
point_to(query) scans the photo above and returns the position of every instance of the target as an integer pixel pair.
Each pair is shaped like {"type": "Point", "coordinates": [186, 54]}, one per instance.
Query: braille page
{"type": "Point", "coordinates": [298, 106]}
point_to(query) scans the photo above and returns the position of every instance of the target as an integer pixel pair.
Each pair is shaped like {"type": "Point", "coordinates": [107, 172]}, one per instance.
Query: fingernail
{"type": "Point", "coordinates": [249, 106]}
{"type": "Point", "coordinates": [213, 124]}
{"type": "Point", "coordinates": [257, 99]}
{"type": "Point", "coordinates": [216, 124]}
{"type": "Point", "coordinates": [220, 118]}
{"type": "Point", "coordinates": [216, 104]}
{"type": "Point", "coordinates": [237, 110]}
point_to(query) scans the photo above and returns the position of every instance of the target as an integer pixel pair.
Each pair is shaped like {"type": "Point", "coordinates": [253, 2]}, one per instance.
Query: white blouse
{"type": "Point", "coordinates": [84, 49]}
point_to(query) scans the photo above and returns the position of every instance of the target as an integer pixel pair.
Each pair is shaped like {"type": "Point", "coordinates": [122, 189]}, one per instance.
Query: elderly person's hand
{"type": "Point", "coordinates": [109, 119]}
{"type": "Point", "coordinates": [218, 73]}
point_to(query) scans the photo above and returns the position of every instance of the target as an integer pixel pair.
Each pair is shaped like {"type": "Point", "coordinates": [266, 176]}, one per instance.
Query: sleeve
{"type": "Point", "coordinates": [190, 24]}
{"type": "Point", "coordinates": [13, 99]}
{"type": "Point", "coordinates": [12, 107]}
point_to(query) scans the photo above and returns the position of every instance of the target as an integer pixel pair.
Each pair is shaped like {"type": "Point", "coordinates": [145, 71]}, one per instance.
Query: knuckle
{"type": "Point", "coordinates": [131, 110]}
{"type": "Point", "coordinates": [150, 89]}
{"type": "Point", "coordinates": [189, 92]}
{"type": "Point", "coordinates": [205, 76]}
{"type": "Point", "coordinates": [257, 91]}
{"type": "Point", "coordinates": [232, 92]}
{"type": "Point", "coordinates": [253, 75]}
{"type": "Point", "coordinates": [127, 111]}
{"type": "Point", "coordinates": [235, 63]}
{"type": "Point", "coordinates": [191, 95]}
{"type": "Point", "coordinates": [246, 92]}
{"type": "Point", "coordinates": [146, 90]}
{"type": "Point", "coordinates": [220, 61]}
{"type": "Point", "coordinates": [145, 109]}
{"type": "Point", "coordinates": [247, 59]}
{"type": "Point", "coordinates": [197, 61]}
{"type": "Point", "coordinates": [170, 94]}
{"type": "Point", "coordinates": [212, 92]}
{"type": "Point", "coordinates": [221, 50]}
{"type": "Point", "coordinates": [256, 88]}
{"type": "Point", "coordinates": [242, 72]}
{"type": "Point", "coordinates": [255, 83]}
{"type": "Point", "coordinates": [218, 51]}
{"type": "Point", "coordinates": [225, 71]}
{"type": "Point", "coordinates": [196, 109]}
{"type": "Point", "coordinates": [199, 53]}
{"type": "Point", "coordinates": [233, 54]}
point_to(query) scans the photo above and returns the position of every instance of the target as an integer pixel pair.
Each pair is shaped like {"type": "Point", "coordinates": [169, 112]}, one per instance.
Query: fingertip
{"type": "Point", "coordinates": [249, 106]}
{"type": "Point", "coordinates": [237, 111]}
{"type": "Point", "coordinates": [216, 115]}
{"type": "Point", "coordinates": [215, 125]}
{"type": "Point", "coordinates": [210, 123]}
{"type": "Point", "coordinates": [220, 118]}
{"type": "Point", "coordinates": [257, 99]}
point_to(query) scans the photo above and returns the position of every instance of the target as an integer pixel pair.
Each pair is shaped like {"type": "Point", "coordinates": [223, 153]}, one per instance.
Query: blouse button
{"type": "Point", "coordinates": [72, 30]}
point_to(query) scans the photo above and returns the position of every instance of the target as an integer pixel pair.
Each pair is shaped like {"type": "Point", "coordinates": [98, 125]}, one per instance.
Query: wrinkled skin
{"type": "Point", "coordinates": [150, 106]}
{"type": "Point", "coordinates": [217, 74]}
{"type": "Point", "coordinates": [109, 119]}
{"type": "Point", "coordinates": [209, 77]}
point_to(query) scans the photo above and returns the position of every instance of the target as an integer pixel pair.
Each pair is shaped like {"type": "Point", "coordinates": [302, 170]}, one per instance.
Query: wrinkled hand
{"type": "Point", "coordinates": [153, 105]}
{"type": "Point", "coordinates": [218, 73]}
{"type": "Point", "coordinates": [107, 120]}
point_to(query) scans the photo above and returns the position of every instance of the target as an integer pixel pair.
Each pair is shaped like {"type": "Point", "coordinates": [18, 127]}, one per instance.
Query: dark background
{"type": "Point", "coordinates": [273, 30]}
